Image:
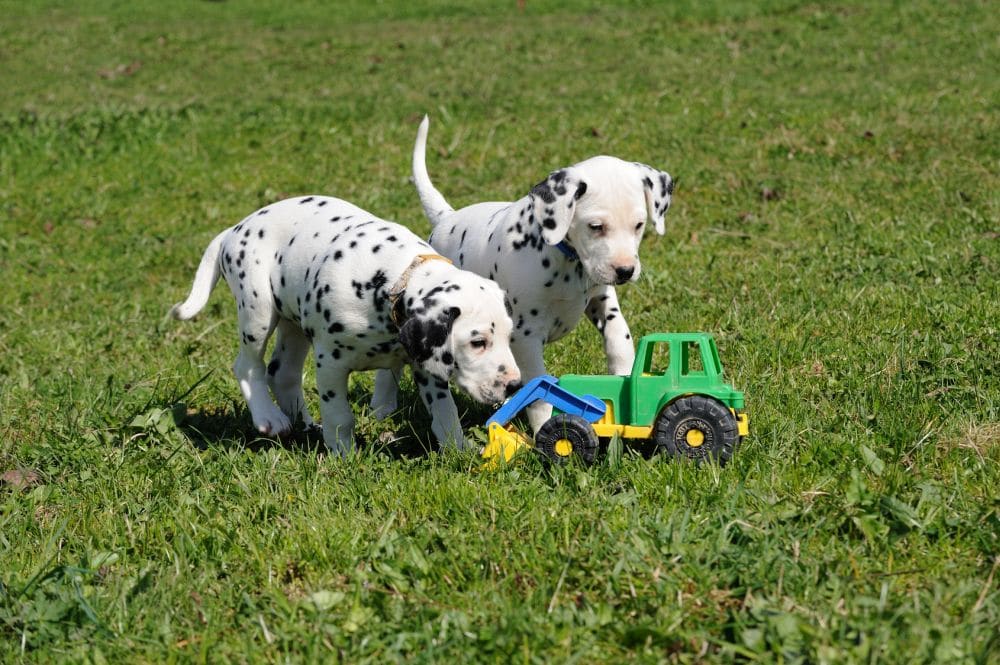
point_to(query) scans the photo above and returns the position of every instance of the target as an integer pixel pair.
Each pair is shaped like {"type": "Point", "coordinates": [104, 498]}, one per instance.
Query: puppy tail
{"type": "Point", "coordinates": [206, 277]}
{"type": "Point", "coordinates": [435, 207]}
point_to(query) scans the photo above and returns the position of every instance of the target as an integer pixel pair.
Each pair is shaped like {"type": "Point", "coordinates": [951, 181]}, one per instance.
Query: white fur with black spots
{"type": "Point", "coordinates": [363, 293]}
{"type": "Point", "coordinates": [558, 252]}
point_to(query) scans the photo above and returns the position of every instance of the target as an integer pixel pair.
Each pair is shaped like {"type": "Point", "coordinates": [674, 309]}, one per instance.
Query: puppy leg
{"type": "Point", "coordinates": [256, 322]}
{"type": "Point", "coordinates": [437, 397]}
{"type": "Point", "coordinates": [284, 372]}
{"type": "Point", "coordinates": [385, 397]}
{"type": "Point", "coordinates": [528, 355]}
{"type": "Point", "coordinates": [604, 312]}
{"type": "Point", "coordinates": [338, 419]}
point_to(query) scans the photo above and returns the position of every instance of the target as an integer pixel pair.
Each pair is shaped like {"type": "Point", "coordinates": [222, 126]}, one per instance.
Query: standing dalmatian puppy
{"type": "Point", "coordinates": [365, 294]}
{"type": "Point", "coordinates": [558, 252]}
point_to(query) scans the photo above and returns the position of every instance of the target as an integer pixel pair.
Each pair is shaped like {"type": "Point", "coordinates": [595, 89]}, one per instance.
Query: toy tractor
{"type": "Point", "coordinates": [675, 396]}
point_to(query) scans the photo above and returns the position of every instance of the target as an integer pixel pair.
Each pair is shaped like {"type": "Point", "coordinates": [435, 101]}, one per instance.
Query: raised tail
{"type": "Point", "coordinates": [206, 277]}
{"type": "Point", "coordinates": [433, 202]}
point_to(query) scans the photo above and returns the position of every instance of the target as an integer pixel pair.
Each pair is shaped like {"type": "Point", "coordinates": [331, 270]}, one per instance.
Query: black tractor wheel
{"type": "Point", "coordinates": [697, 428]}
{"type": "Point", "coordinates": [563, 436]}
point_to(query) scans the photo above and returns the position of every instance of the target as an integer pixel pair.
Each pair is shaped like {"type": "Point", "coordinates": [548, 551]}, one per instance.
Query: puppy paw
{"type": "Point", "coordinates": [382, 410]}
{"type": "Point", "coordinates": [340, 448]}
{"type": "Point", "coordinates": [275, 424]}
{"type": "Point", "coordinates": [457, 444]}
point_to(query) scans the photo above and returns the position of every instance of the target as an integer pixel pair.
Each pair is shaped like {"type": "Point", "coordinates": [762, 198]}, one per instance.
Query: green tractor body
{"type": "Point", "coordinates": [667, 366]}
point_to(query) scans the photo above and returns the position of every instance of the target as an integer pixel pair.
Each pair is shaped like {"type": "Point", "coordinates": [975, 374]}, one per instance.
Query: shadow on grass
{"type": "Point", "coordinates": [406, 434]}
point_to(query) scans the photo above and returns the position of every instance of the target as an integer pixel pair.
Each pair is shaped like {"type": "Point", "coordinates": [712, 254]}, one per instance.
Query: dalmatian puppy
{"type": "Point", "coordinates": [365, 293]}
{"type": "Point", "coordinates": [558, 252]}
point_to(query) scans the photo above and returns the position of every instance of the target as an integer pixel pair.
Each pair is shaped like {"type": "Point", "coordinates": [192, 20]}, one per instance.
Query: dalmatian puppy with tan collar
{"type": "Point", "coordinates": [558, 252]}
{"type": "Point", "coordinates": [364, 293]}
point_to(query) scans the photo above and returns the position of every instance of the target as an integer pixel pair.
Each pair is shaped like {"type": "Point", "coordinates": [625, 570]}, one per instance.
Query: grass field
{"type": "Point", "coordinates": [836, 224]}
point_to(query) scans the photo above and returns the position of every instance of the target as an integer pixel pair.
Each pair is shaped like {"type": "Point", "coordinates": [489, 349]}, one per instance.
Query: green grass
{"type": "Point", "coordinates": [835, 225]}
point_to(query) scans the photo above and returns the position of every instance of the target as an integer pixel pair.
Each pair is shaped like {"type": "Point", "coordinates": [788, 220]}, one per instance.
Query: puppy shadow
{"type": "Point", "coordinates": [405, 434]}
{"type": "Point", "coordinates": [207, 429]}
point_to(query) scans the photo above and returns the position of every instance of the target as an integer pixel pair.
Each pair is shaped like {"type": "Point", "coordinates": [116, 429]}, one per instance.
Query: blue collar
{"type": "Point", "coordinates": [568, 250]}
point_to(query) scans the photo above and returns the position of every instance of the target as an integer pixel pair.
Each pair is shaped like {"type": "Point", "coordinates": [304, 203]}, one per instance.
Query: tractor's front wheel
{"type": "Point", "coordinates": [698, 428]}
{"type": "Point", "coordinates": [563, 436]}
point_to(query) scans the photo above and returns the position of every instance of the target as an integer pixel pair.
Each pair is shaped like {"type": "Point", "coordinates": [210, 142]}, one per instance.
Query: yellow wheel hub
{"type": "Point", "coordinates": [564, 447]}
{"type": "Point", "coordinates": [695, 437]}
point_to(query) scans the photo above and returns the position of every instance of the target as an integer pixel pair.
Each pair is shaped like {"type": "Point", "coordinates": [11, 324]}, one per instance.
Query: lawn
{"type": "Point", "coordinates": [836, 225]}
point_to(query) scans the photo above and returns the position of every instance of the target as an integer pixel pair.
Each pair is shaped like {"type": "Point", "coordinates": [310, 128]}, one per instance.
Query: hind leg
{"type": "Point", "coordinates": [385, 397]}
{"type": "Point", "coordinates": [257, 319]}
{"type": "Point", "coordinates": [338, 419]}
{"type": "Point", "coordinates": [530, 360]}
{"type": "Point", "coordinates": [284, 372]}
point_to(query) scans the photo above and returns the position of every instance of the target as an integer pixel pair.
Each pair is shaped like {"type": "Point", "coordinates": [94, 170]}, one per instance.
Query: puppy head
{"type": "Point", "coordinates": [460, 332]}
{"type": "Point", "coordinates": [600, 206]}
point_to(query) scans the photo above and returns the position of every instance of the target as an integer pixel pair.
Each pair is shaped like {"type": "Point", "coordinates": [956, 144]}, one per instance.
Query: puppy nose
{"type": "Point", "coordinates": [513, 387]}
{"type": "Point", "coordinates": [624, 273]}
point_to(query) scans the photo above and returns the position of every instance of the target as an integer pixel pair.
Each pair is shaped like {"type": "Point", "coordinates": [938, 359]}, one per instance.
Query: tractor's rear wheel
{"type": "Point", "coordinates": [697, 428]}
{"type": "Point", "coordinates": [563, 436]}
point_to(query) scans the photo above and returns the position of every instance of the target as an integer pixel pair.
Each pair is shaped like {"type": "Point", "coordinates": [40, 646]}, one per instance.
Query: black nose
{"type": "Point", "coordinates": [513, 387]}
{"type": "Point", "coordinates": [624, 274]}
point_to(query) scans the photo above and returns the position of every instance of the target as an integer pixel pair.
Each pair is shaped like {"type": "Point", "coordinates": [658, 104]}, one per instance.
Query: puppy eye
{"type": "Point", "coordinates": [478, 343]}
{"type": "Point", "coordinates": [596, 227]}
{"type": "Point", "coordinates": [638, 227]}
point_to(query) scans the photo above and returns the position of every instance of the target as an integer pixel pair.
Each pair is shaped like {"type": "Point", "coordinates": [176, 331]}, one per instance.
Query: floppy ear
{"type": "Point", "coordinates": [555, 203]}
{"type": "Point", "coordinates": [420, 336]}
{"type": "Point", "coordinates": [659, 188]}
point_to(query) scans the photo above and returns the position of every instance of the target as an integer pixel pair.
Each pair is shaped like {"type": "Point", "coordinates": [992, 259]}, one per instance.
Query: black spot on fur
{"type": "Point", "coordinates": [543, 191]}
{"type": "Point", "coordinates": [420, 336]}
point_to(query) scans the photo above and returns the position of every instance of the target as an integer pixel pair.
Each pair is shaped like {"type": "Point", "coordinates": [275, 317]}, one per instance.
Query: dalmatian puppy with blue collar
{"type": "Point", "coordinates": [364, 293]}
{"type": "Point", "coordinates": [558, 252]}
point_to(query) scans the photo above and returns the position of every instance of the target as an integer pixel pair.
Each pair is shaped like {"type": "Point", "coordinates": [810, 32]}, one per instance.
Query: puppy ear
{"type": "Point", "coordinates": [659, 188]}
{"type": "Point", "coordinates": [420, 336]}
{"type": "Point", "coordinates": [555, 203]}
{"type": "Point", "coordinates": [411, 336]}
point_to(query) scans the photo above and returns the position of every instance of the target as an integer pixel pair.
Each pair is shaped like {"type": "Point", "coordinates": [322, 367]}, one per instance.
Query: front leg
{"type": "Point", "coordinates": [284, 372]}
{"type": "Point", "coordinates": [338, 419]}
{"type": "Point", "coordinates": [604, 312]}
{"type": "Point", "coordinates": [437, 397]}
